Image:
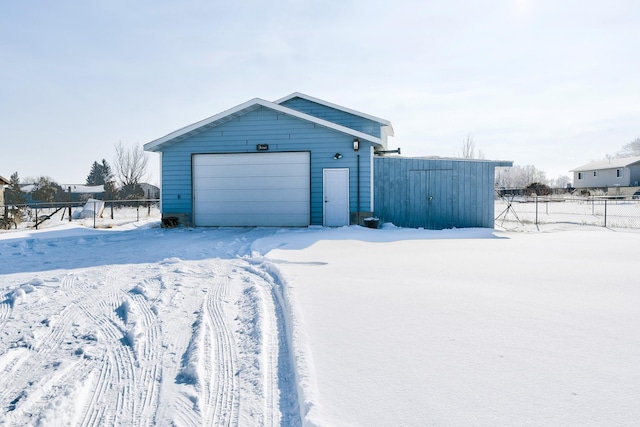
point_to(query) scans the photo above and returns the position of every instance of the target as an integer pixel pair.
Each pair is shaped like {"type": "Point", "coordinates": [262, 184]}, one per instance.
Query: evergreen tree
{"type": "Point", "coordinates": [13, 194]}
{"type": "Point", "coordinates": [100, 174]}
{"type": "Point", "coordinates": [45, 190]}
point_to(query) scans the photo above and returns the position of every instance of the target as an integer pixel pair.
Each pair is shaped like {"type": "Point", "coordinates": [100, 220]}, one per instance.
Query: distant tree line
{"type": "Point", "coordinates": [131, 170]}
{"type": "Point", "coordinates": [534, 180]}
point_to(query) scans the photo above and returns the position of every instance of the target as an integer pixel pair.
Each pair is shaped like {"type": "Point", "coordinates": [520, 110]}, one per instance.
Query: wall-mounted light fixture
{"type": "Point", "coordinates": [338, 156]}
{"type": "Point", "coordinates": [356, 144]}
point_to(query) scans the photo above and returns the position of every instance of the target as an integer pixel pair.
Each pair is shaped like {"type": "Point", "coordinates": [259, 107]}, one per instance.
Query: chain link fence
{"type": "Point", "coordinates": [612, 212]}
{"type": "Point", "coordinates": [93, 213]}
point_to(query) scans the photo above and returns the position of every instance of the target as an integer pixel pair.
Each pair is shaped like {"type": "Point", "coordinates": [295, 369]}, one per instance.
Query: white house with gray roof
{"type": "Point", "coordinates": [622, 172]}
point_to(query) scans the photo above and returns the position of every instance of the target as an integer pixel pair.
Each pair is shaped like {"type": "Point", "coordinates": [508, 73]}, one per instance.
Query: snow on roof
{"type": "Point", "coordinates": [244, 108]}
{"type": "Point", "coordinates": [621, 162]}
{"type": "Point", "coordinates": [4, 181]}
{"type": "Point", "coordinates": [75, 188]}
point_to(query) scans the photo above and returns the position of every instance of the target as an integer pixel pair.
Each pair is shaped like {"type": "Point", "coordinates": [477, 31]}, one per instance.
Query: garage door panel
{"type": "Point", "coordinates": [290, 183]}
{"type": "Point", "coordinates": [251, 159]}
{"type": "Point", "coordinates": [257, 196]}
{"type": "Point", "coordinates": [240, 171]}
{"type": "Point", "coordinates": [251, 208]}
{"type": "Point", "coordinates": [252, 189]}
{"type": "Point", "coordinates": [250, 220]}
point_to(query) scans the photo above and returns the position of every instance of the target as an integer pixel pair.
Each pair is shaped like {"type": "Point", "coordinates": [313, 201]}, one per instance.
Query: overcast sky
{"type": "Point", "coordinates": [550, 83]}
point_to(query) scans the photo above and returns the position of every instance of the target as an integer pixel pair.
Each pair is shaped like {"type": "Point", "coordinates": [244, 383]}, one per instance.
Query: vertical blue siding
{"type": "Point", "coordinates": [282, 133]}
{"type": "Point", "coordinates": [343, 118]}
{"type": "Point", "coordinates": [461, 192]}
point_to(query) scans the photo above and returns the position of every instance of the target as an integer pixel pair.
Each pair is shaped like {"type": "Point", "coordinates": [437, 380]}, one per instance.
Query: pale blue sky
{"type": "Point", "coordinates": [555, 84]}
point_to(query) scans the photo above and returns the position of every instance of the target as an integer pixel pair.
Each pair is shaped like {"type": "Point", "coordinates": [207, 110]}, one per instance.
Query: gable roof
{"type": "Point", "coordinates": [244, 108]}
{"type": "Point", "coordinates": [4, 181]}
{"type": "Point", "coordinates": [622, 162]}
{"type": "Point", "coordinates": [337, 107]}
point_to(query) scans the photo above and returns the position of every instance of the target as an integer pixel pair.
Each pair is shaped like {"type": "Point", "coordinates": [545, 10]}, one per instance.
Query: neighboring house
{"type": "Point", "coordinates": [3, 182]}
{"type": "Point", "coordinates": [78, 192]}
{"type": "Point", "coordinates": [303, 161]}
{"type": "Point", "coordinates": [150, 191]}
{"type": "Point", "coordinates": [622, 172]}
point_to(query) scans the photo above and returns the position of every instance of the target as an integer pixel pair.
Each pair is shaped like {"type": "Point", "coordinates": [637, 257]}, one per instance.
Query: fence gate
{"type": "Point", "coordinates": [430, 199]}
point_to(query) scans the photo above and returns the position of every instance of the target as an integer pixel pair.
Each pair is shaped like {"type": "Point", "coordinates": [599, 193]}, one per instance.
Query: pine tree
{"type": "Point", "coordinates": [100, 174]}
{"type": "Point", "coordinates": [14, 195]}
{"type": "Point", "coordinates": [95, 176]}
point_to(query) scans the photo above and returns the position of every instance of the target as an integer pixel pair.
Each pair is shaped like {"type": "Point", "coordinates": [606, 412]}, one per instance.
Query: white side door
{"type": "Point", "coordinates": [335, 189]}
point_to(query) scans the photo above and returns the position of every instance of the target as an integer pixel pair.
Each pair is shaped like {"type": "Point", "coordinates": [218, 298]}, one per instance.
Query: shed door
{"type": "Point", "coordinates": [431, 199]}
{"type": "Point", "coordinates": [336, 197]}
{"type": "Point", "coordinates": [252, 189]}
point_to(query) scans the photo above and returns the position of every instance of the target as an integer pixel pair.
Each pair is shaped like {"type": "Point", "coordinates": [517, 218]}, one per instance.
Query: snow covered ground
{"type": "Point", "coordinates": [138, 325]}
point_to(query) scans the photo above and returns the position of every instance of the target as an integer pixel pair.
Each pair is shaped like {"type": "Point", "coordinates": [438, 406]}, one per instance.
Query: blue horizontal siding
{"type": "Point", "coordinates": [282, 133]}
{"type": "Point", "coordinates": [333, 115]}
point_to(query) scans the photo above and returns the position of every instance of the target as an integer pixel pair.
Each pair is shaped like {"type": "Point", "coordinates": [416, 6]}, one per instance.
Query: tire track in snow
{"type": "Point", "coordinates": [149, 359]}
{"type": "Point", "coordinates": [55, 388]}
{"type": "Point", "coordinates": [222, 392]}
{"type": "Point", "coordinates": [278, 353]}
{"type": "Point", "coordinates": [259, 348]}
{"type": "Point", "coordinates": [112, 402]}
{"type": "Point", "coordinates": [132, 360]}
{"type": "Point", "coordinates": [41, 352]}
{"type": "Point", "coordinates": [5, 313]}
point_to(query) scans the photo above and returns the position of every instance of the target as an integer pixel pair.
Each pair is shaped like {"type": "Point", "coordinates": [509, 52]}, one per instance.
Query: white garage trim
{"type": "Point", "coordinates": [252, 189]}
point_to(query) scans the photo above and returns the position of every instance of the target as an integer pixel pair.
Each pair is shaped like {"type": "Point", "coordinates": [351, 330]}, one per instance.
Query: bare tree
{"type": "Point", "coordinates": [519, 176]}
{"type": "Point", "coordinates": [469, 149]}
{"type": "Point", "coordinates": [631, 149]}
{"type": "Point", "coordinates": [130, 165]}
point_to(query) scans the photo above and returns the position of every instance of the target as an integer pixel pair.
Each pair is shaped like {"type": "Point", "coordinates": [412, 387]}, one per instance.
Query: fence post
{"type": "Point", "coordinates": [137, 210]}
{"type": "Point", "coordinates": [605, 212]}
{"type": "Point", "coordinates": [36, 216]}
{"type": "Point", "coordinates": [70, 203]}
{"type": "Point", "coordinates": [94, 214]}
{"type": "Point", "coordinates": [536, 210]}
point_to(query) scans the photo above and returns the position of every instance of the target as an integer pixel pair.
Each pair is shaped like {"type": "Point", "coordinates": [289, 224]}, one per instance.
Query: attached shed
{"type": "Point", "coordinates": [435, 193]}
{"type": "Point", "coordinates": [302, 161]}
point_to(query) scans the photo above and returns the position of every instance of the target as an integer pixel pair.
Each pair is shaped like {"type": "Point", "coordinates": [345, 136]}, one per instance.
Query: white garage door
{"type": "Point", "coordinates": [252, 189]}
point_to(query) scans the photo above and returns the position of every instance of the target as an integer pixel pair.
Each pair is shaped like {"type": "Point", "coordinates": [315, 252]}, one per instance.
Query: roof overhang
{"type": "Point", "coordinates": [4, 181]}
{"type": "Point", "coordinates": [239, 110]}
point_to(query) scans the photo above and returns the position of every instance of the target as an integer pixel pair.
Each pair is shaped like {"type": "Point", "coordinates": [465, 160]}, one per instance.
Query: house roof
{"type": "Point", "coordinates": [496, 163]}
{"type": "Point", "coordinates": [4, 181]}
{"type": "Point", "coordinates": [244, 108]}
{"type": "Point", "coordinates": [622, 162]}
{"type": "Point", "coordinates": [337, 107]}
{"type": "Point", "coordinates": [75, 188]}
